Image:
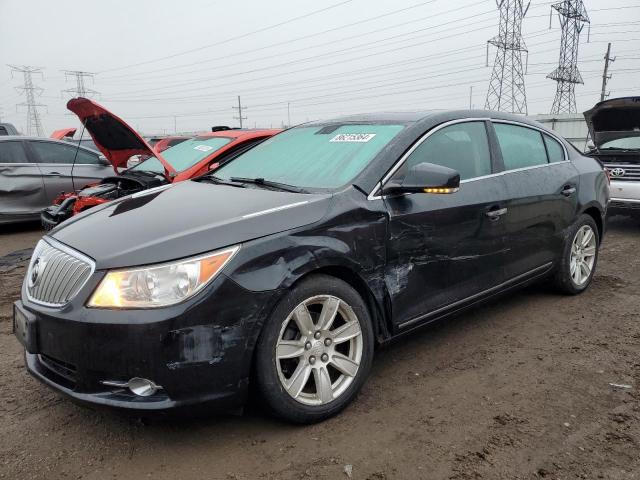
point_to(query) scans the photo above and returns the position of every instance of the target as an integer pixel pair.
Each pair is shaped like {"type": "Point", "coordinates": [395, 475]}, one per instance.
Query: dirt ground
{"type": "Point", "coordinates": [519, 389]}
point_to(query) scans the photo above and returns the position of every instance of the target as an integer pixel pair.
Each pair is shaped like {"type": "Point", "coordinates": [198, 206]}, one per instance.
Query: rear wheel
{"type": "Point", "coordinates": [579, 257]}
{"type": "Point", "coordinates": [315, 351]}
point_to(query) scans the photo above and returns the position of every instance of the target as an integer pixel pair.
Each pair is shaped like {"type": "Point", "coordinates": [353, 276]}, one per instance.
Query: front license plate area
{"type": "Point", "coordinates": [24, 328]}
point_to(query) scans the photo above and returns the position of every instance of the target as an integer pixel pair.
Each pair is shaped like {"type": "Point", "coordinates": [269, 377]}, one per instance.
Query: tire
{"type": "Point", "coordinates": [289, 364]}
{"type": "Point", "coordinates": [567, 279]}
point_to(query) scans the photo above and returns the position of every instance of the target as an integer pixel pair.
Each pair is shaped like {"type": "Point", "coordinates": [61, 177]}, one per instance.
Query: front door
{"type": "Point", "coordinates": [56, 160]}
{"type": "Point", "coordinates": [443, 249]}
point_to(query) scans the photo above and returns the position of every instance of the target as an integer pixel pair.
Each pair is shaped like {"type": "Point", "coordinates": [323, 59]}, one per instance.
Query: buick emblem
{"type": "Point", "coordinates": [35, 273]}
{"type": "Point", "coordinates": [617, 172]}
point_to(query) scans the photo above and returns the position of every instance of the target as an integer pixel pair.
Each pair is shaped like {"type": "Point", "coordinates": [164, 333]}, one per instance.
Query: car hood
{"type": "Point", "coordinates": [63, 133]}
{"type": "Point", "coordinates": [112, 135]}
{"type": "Point", "coordinates": [184, 219]}
{"type": "Point", "coordinates": [613, 119]}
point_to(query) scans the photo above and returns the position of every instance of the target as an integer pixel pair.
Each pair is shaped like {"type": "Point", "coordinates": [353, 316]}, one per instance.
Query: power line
{"type": "Point", "coordinates": [237, 37]}
{"type": "Point", "coordinates": [573, 16]}
{"type": "Point", "coordinates": [34, 124]}
{"type": "Point", "coordinates": [506, 87]}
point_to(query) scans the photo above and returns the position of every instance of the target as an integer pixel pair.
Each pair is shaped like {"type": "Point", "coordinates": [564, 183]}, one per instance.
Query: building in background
{"type": "Point", "coordinates": [571, 126]}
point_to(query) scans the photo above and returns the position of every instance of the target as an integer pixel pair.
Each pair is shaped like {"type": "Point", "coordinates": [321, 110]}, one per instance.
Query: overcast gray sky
{"type": "Point", "coordinates": [162, 63]}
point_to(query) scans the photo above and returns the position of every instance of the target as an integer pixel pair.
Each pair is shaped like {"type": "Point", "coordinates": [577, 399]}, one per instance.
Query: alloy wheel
{"type": "Point", "coordinates": [319, 350]}
{"type": "Point", "coordinates": [583, 255]}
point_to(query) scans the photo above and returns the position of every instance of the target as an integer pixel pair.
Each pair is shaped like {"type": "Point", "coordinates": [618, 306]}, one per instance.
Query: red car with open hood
{"type": "Point", "coordinates": [119, 142]}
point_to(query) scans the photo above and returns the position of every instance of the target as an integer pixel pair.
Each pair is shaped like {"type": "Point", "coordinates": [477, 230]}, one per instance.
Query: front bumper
{"type": "Point", "coordinates": [625, 197]}
{"type": "Point", "coordinates": [198, 351]}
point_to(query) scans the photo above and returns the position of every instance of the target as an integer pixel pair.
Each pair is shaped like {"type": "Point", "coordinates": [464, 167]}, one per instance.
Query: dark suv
{"type": "Point", "coordinates": [288, 265]}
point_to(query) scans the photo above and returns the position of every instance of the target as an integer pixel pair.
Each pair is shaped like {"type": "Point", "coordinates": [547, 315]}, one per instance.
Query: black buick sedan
{"type": "Point", "coordinates": [288, 266]}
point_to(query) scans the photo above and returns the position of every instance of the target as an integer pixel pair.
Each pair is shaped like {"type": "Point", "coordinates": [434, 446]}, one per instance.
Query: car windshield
{"type": "Point", "coordinates": [626, 143]}
{"type": "Point", "coordinates": [323, 157]}
{"type": "Point", "coordinates": [184, 155]}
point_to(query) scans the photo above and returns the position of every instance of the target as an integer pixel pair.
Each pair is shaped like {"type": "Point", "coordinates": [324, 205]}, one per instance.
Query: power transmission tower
{"type": "Point", "coordinates": [573, 16]}
{"type": "Point", "coordinates": [34, 124]}
{"type": "Point", "coordinates": [506, 87]}
{"type": "Point", "coordinates": [81, 90]}
{"type": "Point", "coordinates": [239, 108]}
{"type": "Point", "coordinates": [605, 75]}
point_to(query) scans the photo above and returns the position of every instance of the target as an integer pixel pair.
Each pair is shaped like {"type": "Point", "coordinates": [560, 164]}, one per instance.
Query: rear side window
{"type": "Point", "coordinates": [554, 149]}
{"type": "Point", "coordinates": [12, 152]}
{"type": "Point", "coordinates": [463, 147]}
{"type": "Point", "coordinates": [50, 152]}
{"type": "Point", "coordinates": [521, 146]}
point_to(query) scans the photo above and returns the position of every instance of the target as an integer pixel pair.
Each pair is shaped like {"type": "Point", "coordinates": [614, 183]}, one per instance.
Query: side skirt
{"type": "Point", "coordinates": [478, 298]}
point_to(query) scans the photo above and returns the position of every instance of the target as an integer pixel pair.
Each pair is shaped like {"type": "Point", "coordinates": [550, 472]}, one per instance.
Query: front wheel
{"type": "Point", "coordinates": [579, 256]}
{"type": "Point", "coordinates": [315, 351]}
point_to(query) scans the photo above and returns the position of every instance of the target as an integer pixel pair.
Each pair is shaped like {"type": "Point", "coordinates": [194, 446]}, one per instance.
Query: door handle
{"type": "Point", "coordinates": [53, 174]}
{"type": "Point", "coordinates": [495, 214]}
{"type": "Point", "coordinates": [568, 190]}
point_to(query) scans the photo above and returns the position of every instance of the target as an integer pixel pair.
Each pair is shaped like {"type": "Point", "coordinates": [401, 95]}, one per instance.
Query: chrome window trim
{"type": "Point", "coordinates": [69, 251]}
{"type": "Point", "coordinates": [404, 157]}
{"type": "Point", "coordinates": [400, 162]}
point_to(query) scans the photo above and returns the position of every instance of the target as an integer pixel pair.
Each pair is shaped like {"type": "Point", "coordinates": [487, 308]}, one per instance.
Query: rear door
{"type": "Point", "coordinates": [542, 190]}
{"type": "Point", "coordinates": [56, 161]}
{"type": "Point", "coordinates": [445, 249]}
{"type": "Point", "coordinates": [21, 186]}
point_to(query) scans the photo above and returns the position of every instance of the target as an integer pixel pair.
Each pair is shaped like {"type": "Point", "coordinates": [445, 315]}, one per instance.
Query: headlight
{"type": "Point", "coordinates": [159, 285]}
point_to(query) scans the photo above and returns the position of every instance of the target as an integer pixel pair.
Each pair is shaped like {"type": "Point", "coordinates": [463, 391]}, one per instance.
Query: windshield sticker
{"type": "Point", "coordinates": [203, 148]}
{"type": "Point", "coordinates": [353, 137]}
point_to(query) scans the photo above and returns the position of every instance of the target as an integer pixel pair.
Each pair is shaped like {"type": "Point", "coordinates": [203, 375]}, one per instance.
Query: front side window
{"type": "Point", "coordinates": [185, 155]}
{"type": "Point", "coordinates": [12, 152]}
{"type": "Point", "coordinates": [521, 146]}
{"type": "Point", "coordinates": [464, 147]}
{"type": "Point", "coordinates": [49, 152]}
{"type": "Point", "coordinates": [313, 157]}
{"type": "Point", "coordinates": [554, 149]}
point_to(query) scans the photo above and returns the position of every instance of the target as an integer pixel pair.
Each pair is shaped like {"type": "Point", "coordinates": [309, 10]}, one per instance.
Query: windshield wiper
{"type": "Point", "coordinates": [218, 180]}
{"type": "Point", "coordinates": [268, 183]}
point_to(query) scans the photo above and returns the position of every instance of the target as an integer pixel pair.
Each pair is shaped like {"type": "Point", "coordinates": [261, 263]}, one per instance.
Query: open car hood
{"type": "Point", "coordinates": [613, 119]}
{"type": "Point", "coordinates": [112, 135]}
{"type": "Point", "coordinates": [63, 133]}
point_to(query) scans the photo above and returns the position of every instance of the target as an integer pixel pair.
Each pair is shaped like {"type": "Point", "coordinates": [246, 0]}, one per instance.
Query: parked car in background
{"type": "Point", "coordinates": [169, 142]}
{"type": "Point", "coordinates": [63, 133]}
{"type": "Point", "coordinates": [34, 171]}
{"type": "Point", "coordinates": [287, 265]}
{"type": "Point", "coordinates": [67, 134]}
{"type": "Point", "coordinates": [8, 129]}
{"type": "Point", "coordinates": [614, 127]}
{"type": "Point", "coordinates": [160, 144]}
{"type": "Point", "coordinates": [119, 143]}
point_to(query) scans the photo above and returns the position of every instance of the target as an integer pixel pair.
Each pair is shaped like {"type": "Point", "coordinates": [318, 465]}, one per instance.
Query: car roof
{"type": "Point", "coordinates": [410, 117]}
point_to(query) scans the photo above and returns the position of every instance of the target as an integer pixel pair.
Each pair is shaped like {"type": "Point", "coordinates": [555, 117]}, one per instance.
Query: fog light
{"type": "Point", "coordinates": [138, 386]}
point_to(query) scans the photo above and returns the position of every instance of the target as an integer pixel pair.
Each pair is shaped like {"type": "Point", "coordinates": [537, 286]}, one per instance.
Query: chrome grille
{"type": "Point", "coordinates": [56, 273]}
{"type": "Point", "coordinates": [631, 171]}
